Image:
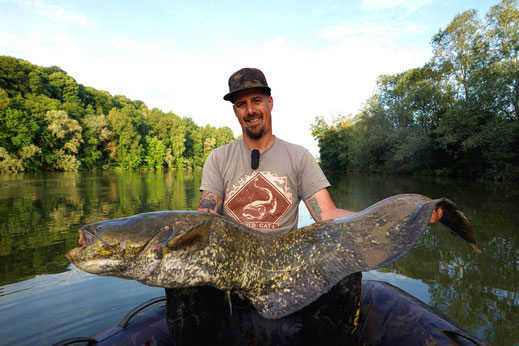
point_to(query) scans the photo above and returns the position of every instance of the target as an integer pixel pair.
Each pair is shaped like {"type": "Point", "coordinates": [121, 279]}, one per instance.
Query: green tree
{"type": "Point", "coordinates": [334, 142]}
{"type": "Point", "coordinates": [9, 163]}
{"type": "Point", "coordinates": [13, 76]}
{"type": "Point", "coordinates": [126, 146]}
{"type": "Point", "coordinates": [96, 138]}
{"type": "Point", "coordinates": [224, 135]}
{"type": "Point", "coordinates": [193, 144]}
{"type": "Point", "coordinates": [209, 145]}
{"type": "Point", "coordinates": [4, 101]}
{"type": "Point", "coordinates": [170, 130]}
{"type": "Point", "coordinates": [39, 105]}
{"type": "Point", "coordinates": [67, 139]}
{"type": "Point", "coordinates": [453, 51]}
{"type": "Point", "coordinates": [155, 153]}
{"type": "Point", "coordinates": [503, 35]}
{"type": "Point", "coordinates": [100, 100]}
{"type": "Point", "coordinates": [213, 137]}
{"type": "Point", "coordinates": [17, 130]}
{"type": "Point", "coordinates": [63, 86]}
{"type": "Point", "coordinates": [38, 82]}
{"type": "Point", "coordinates": [372, 147]}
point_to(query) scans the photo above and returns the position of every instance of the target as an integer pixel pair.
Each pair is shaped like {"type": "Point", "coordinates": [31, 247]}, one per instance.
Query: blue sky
{"type": "Point", "coordinates": [320, 57]}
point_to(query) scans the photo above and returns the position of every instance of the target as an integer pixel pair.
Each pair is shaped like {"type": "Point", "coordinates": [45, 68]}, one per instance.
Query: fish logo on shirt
{"type": "Point", "coordinates": [260, 200]}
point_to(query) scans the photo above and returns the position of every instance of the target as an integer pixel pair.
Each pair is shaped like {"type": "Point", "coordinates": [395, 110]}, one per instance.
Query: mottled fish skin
{"type": "Point", "coordinates": [280, 274]}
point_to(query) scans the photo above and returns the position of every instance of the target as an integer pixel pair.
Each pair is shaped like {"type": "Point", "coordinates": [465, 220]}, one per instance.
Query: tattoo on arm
{"type": "Point", "coordinates": [209, 202]}
{"type": "Point", "coordinates": [315, 208]}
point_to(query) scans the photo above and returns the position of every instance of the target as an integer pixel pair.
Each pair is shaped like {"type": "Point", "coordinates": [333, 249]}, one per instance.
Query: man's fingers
{"type": "Point", "coordinates": [436, 215]}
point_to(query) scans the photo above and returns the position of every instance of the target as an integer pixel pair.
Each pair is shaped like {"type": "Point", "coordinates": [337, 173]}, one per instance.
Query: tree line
{"type": "Point", "coordinates": [48, 121]}
{"type": "Point", "coordinates": [455, 116]}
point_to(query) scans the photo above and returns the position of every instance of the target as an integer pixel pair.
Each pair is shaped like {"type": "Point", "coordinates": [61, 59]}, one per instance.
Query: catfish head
{"type": "Point", "coordinates": [133, 247]}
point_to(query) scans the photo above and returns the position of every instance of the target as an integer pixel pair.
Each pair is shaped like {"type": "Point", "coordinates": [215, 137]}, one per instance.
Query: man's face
{"type": "Point", "coordinates": [253, 110]}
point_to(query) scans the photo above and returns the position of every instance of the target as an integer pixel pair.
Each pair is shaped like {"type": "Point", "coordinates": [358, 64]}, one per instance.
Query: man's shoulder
{"type": "Point", "coordinates": [292, 147]}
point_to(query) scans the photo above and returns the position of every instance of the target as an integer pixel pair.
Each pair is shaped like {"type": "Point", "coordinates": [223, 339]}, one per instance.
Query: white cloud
{"type": "Point", "coordinates": [10, 40]}
{"type": "Point", "coordinates": [56, 13]}
{"type": "Point", "coordinates": [371, 29]}
{"type": "Point", "coordinates": [410, 5]}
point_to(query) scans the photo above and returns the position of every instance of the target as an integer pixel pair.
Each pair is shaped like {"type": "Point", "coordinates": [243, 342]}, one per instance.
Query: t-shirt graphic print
{"type": "Point", "coordinates": [260, 200]}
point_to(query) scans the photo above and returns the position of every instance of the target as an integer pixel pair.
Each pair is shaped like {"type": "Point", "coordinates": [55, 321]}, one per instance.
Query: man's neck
{"type": "Point", "coordinates": [260, 144]}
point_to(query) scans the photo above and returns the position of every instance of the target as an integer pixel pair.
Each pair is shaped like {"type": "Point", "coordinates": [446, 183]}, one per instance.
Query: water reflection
{"type": "Point", "coordinates": [41, 213]}
{"type": "Point", "coordinates": [477, 292]}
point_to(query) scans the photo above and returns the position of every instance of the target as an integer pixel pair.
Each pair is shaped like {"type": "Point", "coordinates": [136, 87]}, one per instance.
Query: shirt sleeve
{"type": "Point", "coordinates": [211, 177]}
{"type": "Point", "coordinates": [312, 177]}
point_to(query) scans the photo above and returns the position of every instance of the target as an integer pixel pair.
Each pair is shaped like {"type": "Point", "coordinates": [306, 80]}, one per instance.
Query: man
{"type": "Point", "coordinates": [259, 181]}
{"type": "Point", "coordinates": [267, 197]}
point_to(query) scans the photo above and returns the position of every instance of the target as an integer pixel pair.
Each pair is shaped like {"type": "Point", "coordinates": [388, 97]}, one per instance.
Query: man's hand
{"type": "Point", "coordinates": [436, 215]}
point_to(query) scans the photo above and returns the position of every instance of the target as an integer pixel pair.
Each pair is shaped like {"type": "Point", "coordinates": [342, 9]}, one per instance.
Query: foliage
{"type": "Point", "coordinates": [50, 122]}
{"type": "Point", "coordinates": [169, 129]}
{"type": "Point", "coordinates": [155, 153]}
{"type": "Point", "coordinates": [333, 143]}
{"type": "Point", "coordinates": [456, 115]}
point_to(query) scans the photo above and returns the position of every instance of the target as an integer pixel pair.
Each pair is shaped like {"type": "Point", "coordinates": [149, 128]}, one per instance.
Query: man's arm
{"type": "Point", "coordinates": [210, 202]}
{"type": "Point", "coordinates": [321, 207]}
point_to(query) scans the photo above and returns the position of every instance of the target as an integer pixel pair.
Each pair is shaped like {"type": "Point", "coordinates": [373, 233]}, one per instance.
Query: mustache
{"type": "Point", "coordinates": [253, 115]}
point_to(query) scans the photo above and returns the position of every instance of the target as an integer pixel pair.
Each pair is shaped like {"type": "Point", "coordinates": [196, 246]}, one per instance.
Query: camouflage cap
{"type": "Point", "coordinates": [246, 78]}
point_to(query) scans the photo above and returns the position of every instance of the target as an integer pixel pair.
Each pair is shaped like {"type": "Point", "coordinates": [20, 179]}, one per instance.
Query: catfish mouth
{"type": "Point", "coordinates": [85, 238]}
{"type": "Point", "coordinates": [85, 257]}
{"type": "Point", "coordinates": [102, 266]}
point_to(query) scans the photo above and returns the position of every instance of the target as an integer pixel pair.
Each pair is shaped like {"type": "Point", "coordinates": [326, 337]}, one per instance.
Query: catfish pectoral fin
{"type": "Point", "coordinates": [195, 238]}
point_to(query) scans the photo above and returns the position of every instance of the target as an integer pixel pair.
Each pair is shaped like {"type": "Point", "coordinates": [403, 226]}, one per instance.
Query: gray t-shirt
{"type": "Point", "coordinates": [266, 199]}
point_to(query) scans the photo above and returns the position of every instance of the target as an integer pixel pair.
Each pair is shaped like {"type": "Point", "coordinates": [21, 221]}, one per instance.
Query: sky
{"type": "Point", "coordinates": [320, 58]}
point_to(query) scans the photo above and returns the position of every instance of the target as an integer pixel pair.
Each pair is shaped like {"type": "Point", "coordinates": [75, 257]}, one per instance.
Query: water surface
{"type": "Point", "coordinates": [43, 299]}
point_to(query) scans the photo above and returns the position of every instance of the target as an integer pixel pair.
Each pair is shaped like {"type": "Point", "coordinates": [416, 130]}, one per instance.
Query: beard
{"type": "Point", "coordinates": [256, 133]}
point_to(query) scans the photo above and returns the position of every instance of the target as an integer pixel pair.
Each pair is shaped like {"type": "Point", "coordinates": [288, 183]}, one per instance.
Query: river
{"type": "Point", "coordinates": [43, 299]}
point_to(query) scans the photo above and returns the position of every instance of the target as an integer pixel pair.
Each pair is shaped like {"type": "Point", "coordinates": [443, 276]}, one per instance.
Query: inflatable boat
{"type": "Point", "coordinates": [388, 316]}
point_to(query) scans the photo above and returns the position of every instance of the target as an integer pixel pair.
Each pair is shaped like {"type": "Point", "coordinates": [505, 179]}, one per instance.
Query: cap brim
{"type": "Point", "coordinates": [230, 96]}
